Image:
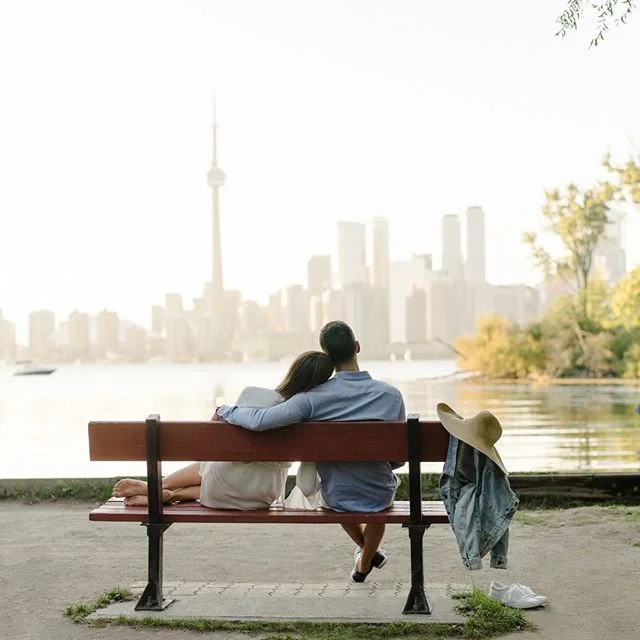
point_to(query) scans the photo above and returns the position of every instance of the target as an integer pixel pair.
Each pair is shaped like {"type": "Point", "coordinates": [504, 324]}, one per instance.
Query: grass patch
{"type": "Point", "coordinates": [488, 618]}
{"type": "Point", "coordinates": [99, 490]}
{"type": "Point", "coordinates": [485, 619]}
{"type": "Point", "coordinates": [79, 611]}
{"type": "Point", "coordinates": [53, 490]}
{"type": "Point", "coordinates": [534, 517]}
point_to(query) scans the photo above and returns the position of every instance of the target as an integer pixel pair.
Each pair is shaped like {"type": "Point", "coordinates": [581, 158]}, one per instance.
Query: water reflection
{"type": "Point", "coordinates": [576, 428]}
{"type": "Point", "coordinates": [43, 421]}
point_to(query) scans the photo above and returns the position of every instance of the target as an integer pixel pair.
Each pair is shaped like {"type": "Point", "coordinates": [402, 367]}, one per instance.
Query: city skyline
{"type": "Point", "coordinates": [103, 179]}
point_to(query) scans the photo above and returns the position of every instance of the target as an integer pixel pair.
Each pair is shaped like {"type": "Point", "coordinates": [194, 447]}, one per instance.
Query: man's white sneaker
{"type": "Point", "coordinates": [530, 592]}
{"type": "Point", "coordinates": [515, 595]}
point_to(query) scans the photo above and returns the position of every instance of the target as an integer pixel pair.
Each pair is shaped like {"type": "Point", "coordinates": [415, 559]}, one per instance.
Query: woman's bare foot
{"type": "Point", "coordinates": [140, 500]}
{"type": "Point", "coordinates": [129, 487]}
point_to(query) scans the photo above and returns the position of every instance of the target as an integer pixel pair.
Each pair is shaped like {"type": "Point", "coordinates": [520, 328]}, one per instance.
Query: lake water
{"type": "Point", "coordinates": [43, 419]}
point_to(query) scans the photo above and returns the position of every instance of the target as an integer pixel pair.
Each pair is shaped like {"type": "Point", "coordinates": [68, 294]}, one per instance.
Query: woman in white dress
{"type": "Point", "coordinates": [237, 485]}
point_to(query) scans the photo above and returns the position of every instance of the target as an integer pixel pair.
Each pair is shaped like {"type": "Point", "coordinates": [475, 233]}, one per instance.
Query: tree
{"type": "Point", "coordinates": [627, 176]}
{"type": "Point", "coordinates": [578, 220]}
{"type": "Point", "coordinates": [607, 12]}
{"type": "Point", "coordinates": [625, 300]}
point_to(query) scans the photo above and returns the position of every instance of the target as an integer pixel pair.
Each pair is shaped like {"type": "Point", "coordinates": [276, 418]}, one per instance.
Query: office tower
{"type": "Point", "coordinates": [108, 332]}
{"type": "Point", "coordinates": [135, 345]}
{"type": "Point", "coordinates": [318, 274]}
{"type": "Point", "coordinates": [7, 339]}
{"type": "Point", "coordinates": [609, 259]}
{"type": "Point", "coordinates": [79, 345]}
{"type": "Point", "coordinates": [158, 314]}
{"type": "Point", "coordinates": [358, 301]}
{"type": "Point", "coordinates": [380, 284]}
{"type": "Point", "coordinates": [451, 251]}
{"type": "Point", "coordinates": [416, 306]}
{"type": "Point", "coordinates": [42, 326]}
{"type": "Point", "coordinates": [250, 317]}
{"type": "Point", "coordinates": [352, 253]}
{"type": "Point", "coordinates": [475, 271]}
{"type": "Point", "coordinates": [518, 303]}
{"type": "Point", "coordinates": [295, 307]}
{"type": "Point", "coordinates": [275, 312]}
{"type": "Point", "coordinates": [173, 304]}
{"type": "Point", "coordinates": [404, 275]}
{"type": "Point", "coordinates": [380, 251]}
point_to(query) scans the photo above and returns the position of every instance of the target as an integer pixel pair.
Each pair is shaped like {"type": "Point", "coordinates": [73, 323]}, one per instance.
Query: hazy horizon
{"type": "Point", "coordinates": [327, 111]}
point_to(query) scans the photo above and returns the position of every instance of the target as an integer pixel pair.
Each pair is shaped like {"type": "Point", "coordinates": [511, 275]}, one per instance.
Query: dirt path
{"type": "Point", "coordinates": [587, 561]}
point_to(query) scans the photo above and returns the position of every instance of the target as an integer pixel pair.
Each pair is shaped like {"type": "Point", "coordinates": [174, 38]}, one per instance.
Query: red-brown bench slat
{"type": "Point", "coordinates": [115, 511]}
{"type": "Point", "coordinates": [309, 441]}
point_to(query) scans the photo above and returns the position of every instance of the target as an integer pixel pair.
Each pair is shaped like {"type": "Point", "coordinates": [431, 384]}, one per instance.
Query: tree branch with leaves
{"type": "Point", "coordinates": [607, 13]}
{"type": "Point", "coordinates": [578, 220]}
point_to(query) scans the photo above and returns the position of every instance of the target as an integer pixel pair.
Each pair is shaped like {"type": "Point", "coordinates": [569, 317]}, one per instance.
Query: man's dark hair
{"type": "Point", "coordinates": [338, 342]}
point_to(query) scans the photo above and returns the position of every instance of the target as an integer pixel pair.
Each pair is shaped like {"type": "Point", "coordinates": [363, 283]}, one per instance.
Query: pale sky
{"type": "Point", "coordinates": [328, 110]}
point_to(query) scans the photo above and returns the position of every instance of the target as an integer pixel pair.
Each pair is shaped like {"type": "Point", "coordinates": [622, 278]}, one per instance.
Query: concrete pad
{"type": "Point", "coordinates": [371, 602]}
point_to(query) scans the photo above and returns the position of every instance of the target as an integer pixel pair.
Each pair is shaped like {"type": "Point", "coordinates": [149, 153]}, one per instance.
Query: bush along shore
{"type": "Point", "coordinates": [535, 490]}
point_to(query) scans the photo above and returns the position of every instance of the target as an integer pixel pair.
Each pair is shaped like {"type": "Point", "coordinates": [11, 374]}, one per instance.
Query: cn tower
{"type": "Point", "coordinates": [215, 179]}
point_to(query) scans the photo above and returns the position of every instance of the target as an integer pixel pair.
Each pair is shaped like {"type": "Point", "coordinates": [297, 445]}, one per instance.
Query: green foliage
{"type": "Point", "coordinates": [489, 618]}
{"type": "Point", "coordinates": [627, 177]}
{"type": "Point", "coordinates": [501, 350]}
{"type": "Point", "coordinates": [578, 220]}
{"type": "Point", "coordinates": [625, 300]}
{"type": "Point", "coordinates": [79, 611]}
{"type": "Point", "coordinates": [606, 13]}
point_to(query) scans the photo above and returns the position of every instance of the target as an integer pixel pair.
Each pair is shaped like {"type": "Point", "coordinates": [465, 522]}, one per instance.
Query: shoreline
{"type": "Point", "coordinates": [541, 382]}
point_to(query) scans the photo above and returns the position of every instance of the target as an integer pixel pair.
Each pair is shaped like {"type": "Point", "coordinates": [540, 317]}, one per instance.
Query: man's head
{"type": "Point", "coordinates": [339, 343]}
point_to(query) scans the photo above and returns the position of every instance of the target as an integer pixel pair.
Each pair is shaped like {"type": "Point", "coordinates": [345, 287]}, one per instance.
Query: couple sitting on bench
{"type": "Point", "coordinates": [308, 392]}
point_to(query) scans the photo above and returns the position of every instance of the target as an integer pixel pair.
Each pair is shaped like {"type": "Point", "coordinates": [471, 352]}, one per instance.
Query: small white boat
{"type": "Point", "coordinates": [30, 368]}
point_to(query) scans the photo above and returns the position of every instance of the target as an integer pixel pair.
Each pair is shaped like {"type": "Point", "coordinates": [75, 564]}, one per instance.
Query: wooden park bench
{"type": "Point", "coordinates": [155, 441]}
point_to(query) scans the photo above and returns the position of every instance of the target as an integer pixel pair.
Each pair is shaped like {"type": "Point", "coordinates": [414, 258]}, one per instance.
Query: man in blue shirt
{"type": "Point", "coordinates": [350, 395]}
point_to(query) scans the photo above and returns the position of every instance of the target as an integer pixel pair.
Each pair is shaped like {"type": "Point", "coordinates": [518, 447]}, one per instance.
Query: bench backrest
{"type": "Point", "coordinates": [309, 441]}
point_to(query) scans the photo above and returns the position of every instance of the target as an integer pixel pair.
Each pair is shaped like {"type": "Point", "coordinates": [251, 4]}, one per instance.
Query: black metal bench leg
{"type": "Point", "coordinates": [151, 599]}
{"type": "Point", "coordinates": [417, 599]}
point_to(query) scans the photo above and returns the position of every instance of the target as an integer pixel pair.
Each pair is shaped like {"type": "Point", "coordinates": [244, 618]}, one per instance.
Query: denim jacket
{"type": "Point", "coordinates": [480, 504]}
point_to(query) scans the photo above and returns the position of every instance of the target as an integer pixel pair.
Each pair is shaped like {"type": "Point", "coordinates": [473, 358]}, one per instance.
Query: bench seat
{"type": "Point", "coordinates": [433, 512]}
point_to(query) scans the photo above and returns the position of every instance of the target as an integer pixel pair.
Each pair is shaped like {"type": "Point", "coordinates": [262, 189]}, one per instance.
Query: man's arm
{"type": "Point", "coordinates": [292, 411]}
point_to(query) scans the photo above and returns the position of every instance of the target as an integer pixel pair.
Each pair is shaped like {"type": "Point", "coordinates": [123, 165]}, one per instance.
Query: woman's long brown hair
{"type": "Point", "coordinates": [308, 370]}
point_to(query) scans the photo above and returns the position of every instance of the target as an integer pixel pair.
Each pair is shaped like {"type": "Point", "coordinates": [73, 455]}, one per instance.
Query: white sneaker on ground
{"type": "Point", "coordinates": [515, 595]}
{"type": "Point", "coordinates": [530, 592]}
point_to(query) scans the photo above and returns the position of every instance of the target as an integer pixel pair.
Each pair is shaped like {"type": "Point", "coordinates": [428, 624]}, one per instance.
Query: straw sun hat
{"type": "Point", "coordinates": [481, 431]}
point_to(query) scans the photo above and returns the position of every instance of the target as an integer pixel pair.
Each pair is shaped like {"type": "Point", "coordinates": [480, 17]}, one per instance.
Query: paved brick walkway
{"type": "Point", "coordinates": [329, 601]}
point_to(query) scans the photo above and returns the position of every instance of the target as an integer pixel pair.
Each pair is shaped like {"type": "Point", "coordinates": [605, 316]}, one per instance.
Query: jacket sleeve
{"type": "Point", "coordinates": [292, 411]}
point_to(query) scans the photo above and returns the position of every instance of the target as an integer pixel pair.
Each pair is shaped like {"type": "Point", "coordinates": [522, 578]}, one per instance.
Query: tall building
{"type": "Point", "coordinates": [79, 344]}
{"type": "Point", "coordinates": [216, 179]}
{"type": "Point", "coordinates": [158, 314]}
{"type": "Point", "coordinates": [318, 274]}
{"type": "Point", "coordinates": [352, 253]}
{"type": "Point", "coordinates": [609, 259]}
{"type": "Point", "coordinates": [108, 332]}
{"type": "Point", "coordinates": [295, 307]}
{"type": "Point", "coordinates": [7, 339]}
{"type": "Point", "coordinates": [380, 284]}
{"type": "Point", "coordinates": [476, 270]}
{"type": "Point", "coordinates": [173, 304]}
{"type": "Point", "coordinates": [380, 253]}
{"type": "Point", "coordinates": [451, 246]}
{"type": "Point", "coordinates": [404, 275]}
{"type": "Point", "coordinates": [42, 326]}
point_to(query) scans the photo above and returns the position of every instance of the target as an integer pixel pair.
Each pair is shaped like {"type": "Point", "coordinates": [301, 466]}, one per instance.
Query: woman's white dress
{"type": "Point", "coordinates": [245, 485]}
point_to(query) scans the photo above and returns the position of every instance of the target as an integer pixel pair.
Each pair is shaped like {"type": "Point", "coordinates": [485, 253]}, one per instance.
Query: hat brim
{"type": "Point", "coordinates": [457, 426]}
